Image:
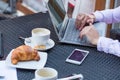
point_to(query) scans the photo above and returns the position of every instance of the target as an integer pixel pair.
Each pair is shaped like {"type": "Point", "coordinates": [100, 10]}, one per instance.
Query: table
{"type": "Point", "coordinates": [97, 65]}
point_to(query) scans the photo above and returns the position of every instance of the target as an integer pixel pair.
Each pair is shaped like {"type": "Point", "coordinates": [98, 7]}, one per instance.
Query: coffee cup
{"type": "Point", "coordinates": [40, 36]}
{"type": "Point", "coordinates": [46, 73]}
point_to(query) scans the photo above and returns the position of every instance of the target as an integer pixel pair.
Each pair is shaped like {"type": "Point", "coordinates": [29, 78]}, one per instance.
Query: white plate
{"type": "Point", "coordinates": [28, 64]}
{"type": "Point", "coordinates": [50, 44]}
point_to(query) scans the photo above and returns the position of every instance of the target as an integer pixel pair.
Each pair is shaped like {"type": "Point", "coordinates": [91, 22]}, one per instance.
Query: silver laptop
{"type": "Point", "coordinates": [65, 27]}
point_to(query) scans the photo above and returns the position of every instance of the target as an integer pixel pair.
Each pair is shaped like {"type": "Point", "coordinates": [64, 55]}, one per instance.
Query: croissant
{"type": "Point", "coordinates": [24, 53]}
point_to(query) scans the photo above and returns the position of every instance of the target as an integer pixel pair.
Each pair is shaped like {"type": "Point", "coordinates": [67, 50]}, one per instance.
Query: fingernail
{"type": "Point", "coordinates": [90, 24]}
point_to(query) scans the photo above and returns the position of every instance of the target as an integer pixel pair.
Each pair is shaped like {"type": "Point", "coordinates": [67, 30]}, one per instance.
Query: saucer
{"type": "Point", "coordinates": [33, 65]}
{"type": "Point", "coordinates": [50, 44]}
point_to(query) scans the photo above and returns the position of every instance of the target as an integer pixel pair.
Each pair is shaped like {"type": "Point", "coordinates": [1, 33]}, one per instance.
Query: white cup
{"type": "Point", "coordinates": [40, 36]}
{"type": "Point", "coordinates": [46, 73]}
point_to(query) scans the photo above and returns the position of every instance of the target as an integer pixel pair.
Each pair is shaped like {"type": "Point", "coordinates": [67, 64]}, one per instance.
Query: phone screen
{"type": "Point", "coordinates": [77, 55]}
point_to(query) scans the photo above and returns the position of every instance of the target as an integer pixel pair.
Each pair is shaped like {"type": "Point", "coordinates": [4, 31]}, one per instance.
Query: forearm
{"type": "Point", "coordinates": [109, 46]}
{"type": "Point", "coordinates": [108, 16]}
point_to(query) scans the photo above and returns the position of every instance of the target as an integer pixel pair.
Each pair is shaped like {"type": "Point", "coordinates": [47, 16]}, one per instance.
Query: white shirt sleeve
{"type": "Point", "coordinates": [108, 15]}
{"type": "Point", "coordinates": [109, 46]}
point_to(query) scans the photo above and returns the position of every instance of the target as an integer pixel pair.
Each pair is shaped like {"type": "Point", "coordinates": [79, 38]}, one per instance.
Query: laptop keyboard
{"type": "Point", "coordinates": [72, 34]}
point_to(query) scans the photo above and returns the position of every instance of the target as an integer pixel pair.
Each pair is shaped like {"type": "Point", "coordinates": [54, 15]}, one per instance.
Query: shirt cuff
{"type": "Point", "coordinates": [103, 44]}
{"type": "Point", "coordinates": [98, 16]}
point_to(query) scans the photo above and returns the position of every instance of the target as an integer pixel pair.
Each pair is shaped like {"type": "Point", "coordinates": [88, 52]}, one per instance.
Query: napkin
{"type": "Point", "coordinates": [9, 72]}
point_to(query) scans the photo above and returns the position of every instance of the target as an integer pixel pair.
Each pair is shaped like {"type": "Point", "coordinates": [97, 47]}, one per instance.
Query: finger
{"type": "Point", "coordinates": [82, 33]}
{"type": "Point", "coordinates": [76, 21]}
{"type": "Point", "coordinates": [80, 28]}
{"type": "Point", "coordinates": [89, 21]}
{"type": "Point", "coordinates": [80, 23]}
{"type": "Point", "coordinates": [90, 24]}
{"type": "Point", "coordinates": [83, 23]}
{"type": "Point", "coordinates": [84, 27]}
{"type": "Point", "coordinates": [82, 18]}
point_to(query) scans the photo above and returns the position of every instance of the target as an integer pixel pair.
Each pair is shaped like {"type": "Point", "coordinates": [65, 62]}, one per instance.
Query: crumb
{"type": "Point", "coordinates": [42, 47]}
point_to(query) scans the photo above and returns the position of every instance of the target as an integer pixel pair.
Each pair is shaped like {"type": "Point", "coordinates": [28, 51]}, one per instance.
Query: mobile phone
{"type": "Point", "coordinates": [77, 56]}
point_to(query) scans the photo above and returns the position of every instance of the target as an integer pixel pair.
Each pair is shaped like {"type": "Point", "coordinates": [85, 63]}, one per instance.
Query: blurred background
{"type": "Point", "coordinates": [15, 8]}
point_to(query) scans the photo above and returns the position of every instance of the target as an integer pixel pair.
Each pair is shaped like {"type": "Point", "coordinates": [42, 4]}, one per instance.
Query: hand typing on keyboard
{"type": "Point", "coordinates": [91, 33]}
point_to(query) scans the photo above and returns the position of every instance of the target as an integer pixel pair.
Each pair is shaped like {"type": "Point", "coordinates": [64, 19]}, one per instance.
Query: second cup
{"type": "Point", "coordinates": [40, 36]}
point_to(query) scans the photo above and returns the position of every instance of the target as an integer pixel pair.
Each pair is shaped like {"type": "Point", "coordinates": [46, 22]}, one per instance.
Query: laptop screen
{"type": "Point", "coordinates": [57, 13]}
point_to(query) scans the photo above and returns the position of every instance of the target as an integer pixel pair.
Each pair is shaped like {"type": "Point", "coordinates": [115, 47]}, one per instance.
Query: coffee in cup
{"type": "Point", "coordinates": [46, 73]}
{"type": "Point", "coordinates": [40, 36]}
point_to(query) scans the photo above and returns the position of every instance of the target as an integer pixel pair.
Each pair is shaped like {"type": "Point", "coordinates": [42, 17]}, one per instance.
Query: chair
{"type": "Point", "coordinates": [115, 34]}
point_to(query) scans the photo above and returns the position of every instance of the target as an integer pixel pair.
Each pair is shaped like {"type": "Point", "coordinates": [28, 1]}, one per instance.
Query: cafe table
{"type": "Point", "coordinates": [96, 66]}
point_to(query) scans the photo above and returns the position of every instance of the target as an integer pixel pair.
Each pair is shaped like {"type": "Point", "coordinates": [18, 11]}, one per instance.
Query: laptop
{"type": "Point", "coordinates": [65, 26]}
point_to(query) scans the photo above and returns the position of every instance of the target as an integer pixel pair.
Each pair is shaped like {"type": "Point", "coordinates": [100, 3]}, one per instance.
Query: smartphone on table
{"type": "Point", "coordinates": [77, 56]}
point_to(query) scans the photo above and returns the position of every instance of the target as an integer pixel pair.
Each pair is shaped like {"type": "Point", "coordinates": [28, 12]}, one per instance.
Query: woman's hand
{"type": "Point", "coordinates": [91, 33]}
{"type": "Point", "coordinates": [83, 19]}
